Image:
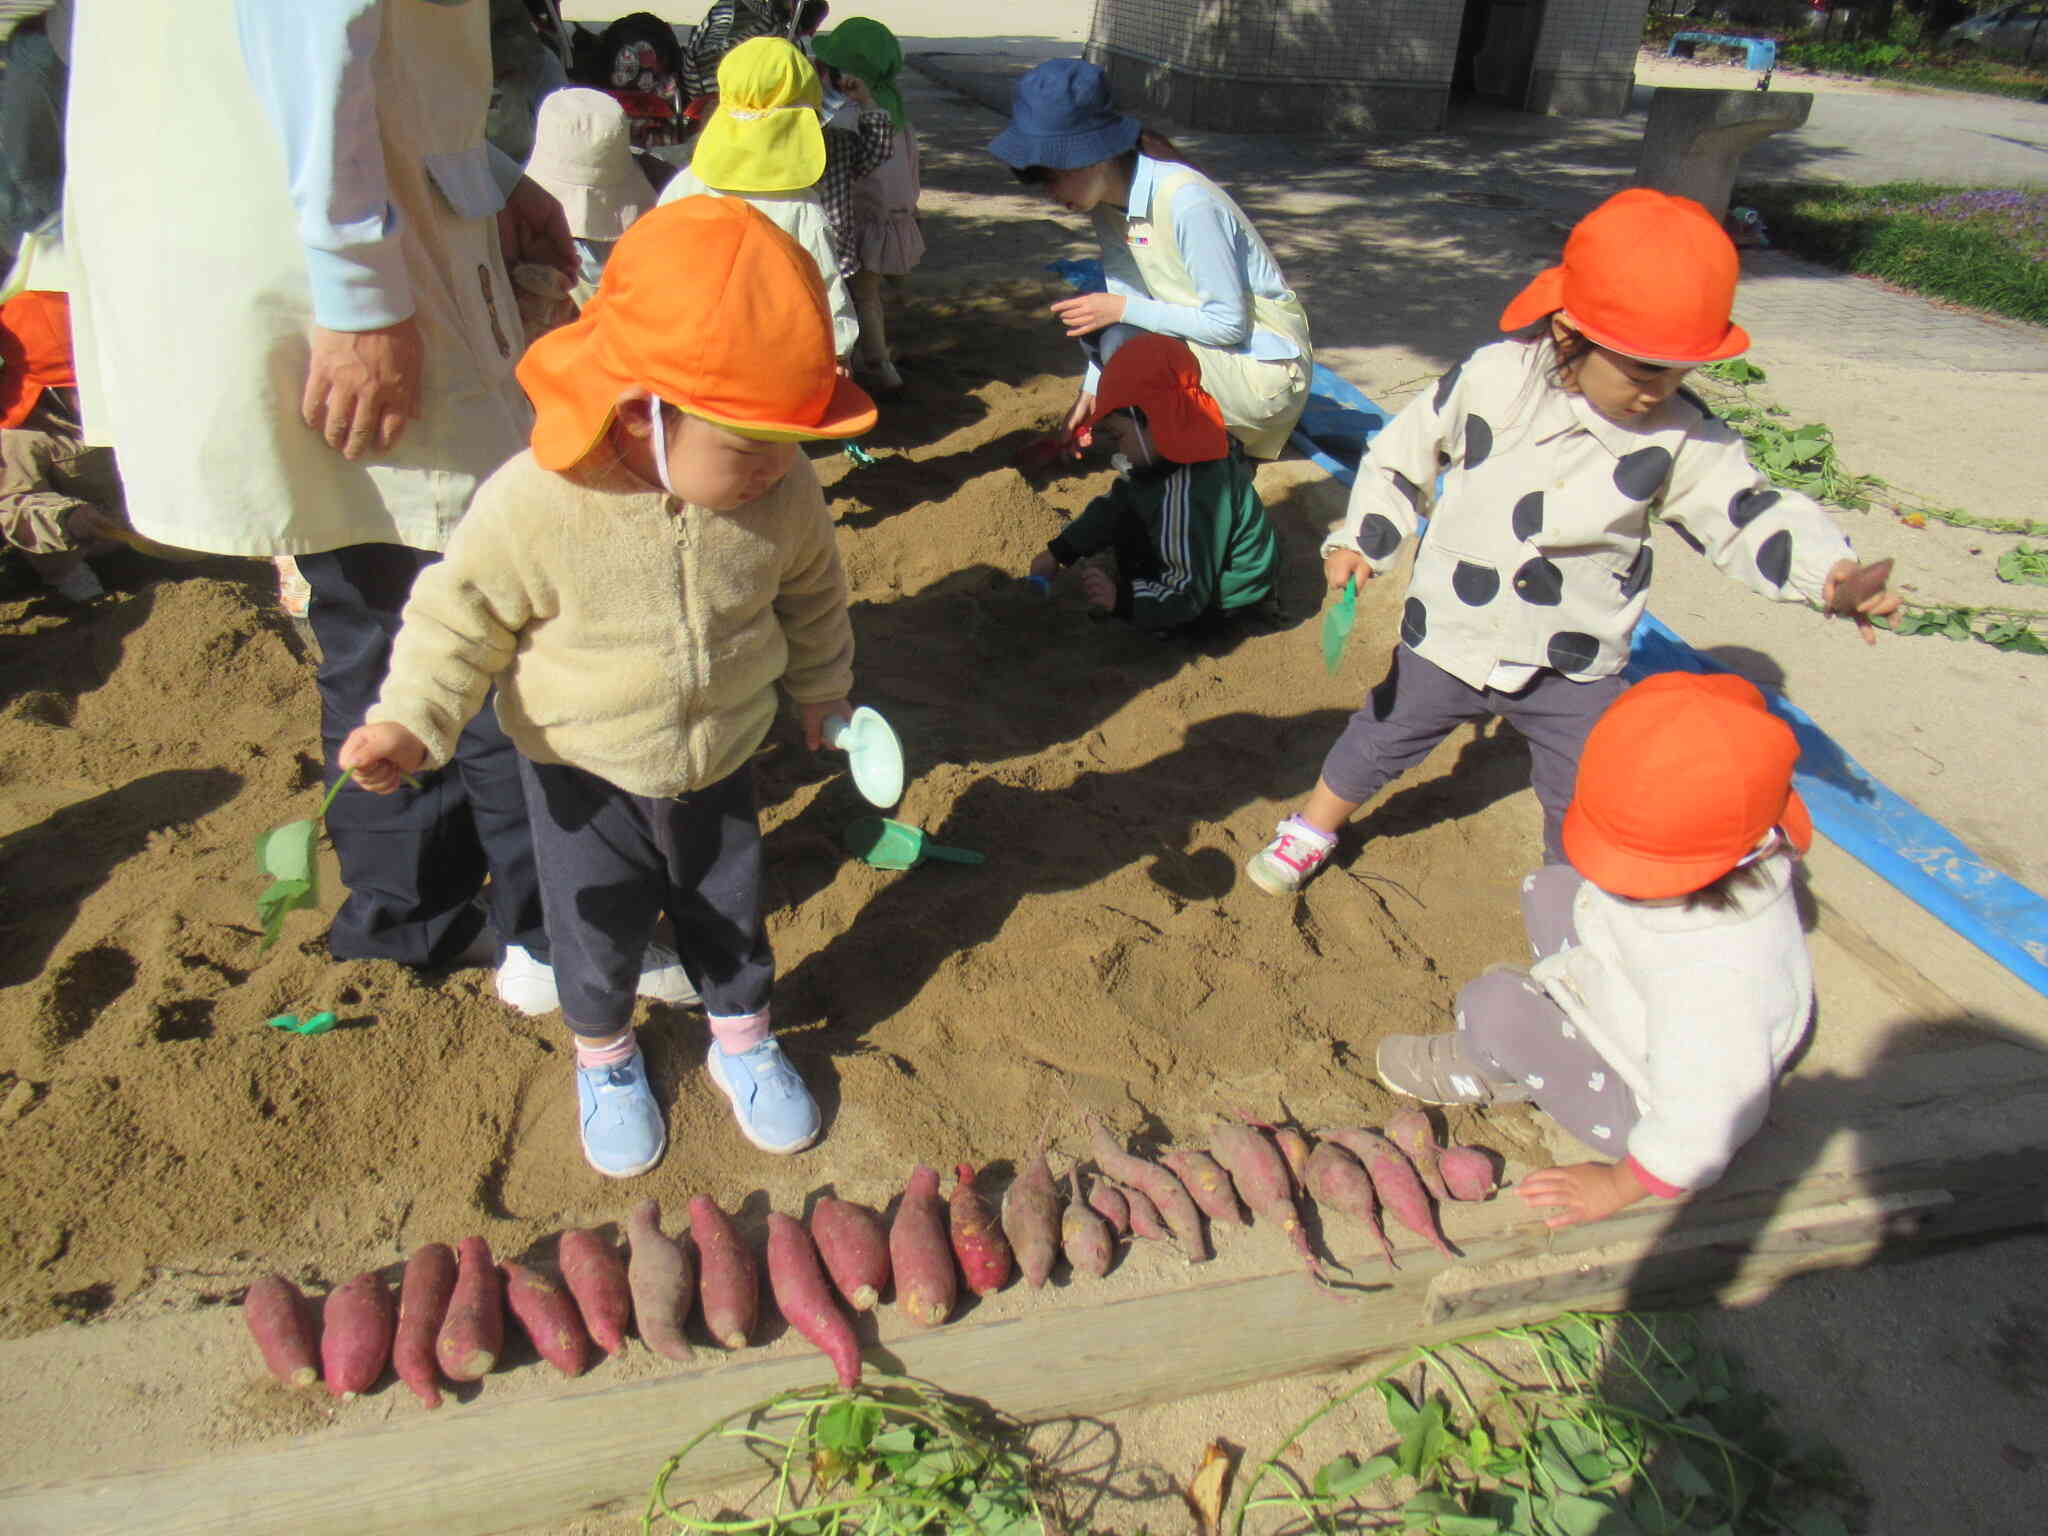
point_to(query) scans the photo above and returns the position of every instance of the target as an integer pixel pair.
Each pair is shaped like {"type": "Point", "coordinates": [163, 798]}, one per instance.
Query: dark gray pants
{"type": "Point", "coordinates": [1510, 1024]}
{"type": "Point", "coordinates": [611, 863]}
{"type": "Point", "coordinates": [1417, 704]}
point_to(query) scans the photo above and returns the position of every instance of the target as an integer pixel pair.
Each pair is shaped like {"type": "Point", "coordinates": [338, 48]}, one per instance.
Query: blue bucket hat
{"type": "Point", "coordinates": [1063, 116]}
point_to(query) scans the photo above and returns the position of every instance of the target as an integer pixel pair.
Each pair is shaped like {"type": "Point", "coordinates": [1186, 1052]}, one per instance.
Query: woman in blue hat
{"type": "Point", "coordinates": [1181, 258]}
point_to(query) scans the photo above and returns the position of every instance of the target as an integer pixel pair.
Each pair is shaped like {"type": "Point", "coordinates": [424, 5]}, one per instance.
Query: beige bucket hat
{"type": "Point", "coordinates": [583, 154]}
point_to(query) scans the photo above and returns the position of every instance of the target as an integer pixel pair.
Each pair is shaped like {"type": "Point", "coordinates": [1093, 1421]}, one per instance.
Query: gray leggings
{"type": "Point", "coordinates": [1510, 1023]}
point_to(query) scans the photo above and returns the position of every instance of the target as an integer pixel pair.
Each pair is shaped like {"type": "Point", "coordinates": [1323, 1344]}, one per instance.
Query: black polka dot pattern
{"type": "Point", "coordinates": [1446, 384]}
{"type": "Point", "coordinates": [1540, 582]}
{"type": "Point", "coordinates": [1639, 475]}
{"type": "Point", "coordinates": [1638, 576]}
{"type": "Point", "coordinates": [1478, 441]}
{"type": "Point", "coordinates": [1378, 537]}
{"type": "Point", "coordinates": [1527, 518]}
{"type": "Point", "coordinates": [1407, 488]}
{"type": "Point", "coordinates": [1572, 651]}
{"type": "Point", "coordinates": [1774, 559]}
{"type": "Point", "coordinates": [1747, 506]}
{"type": "Point", "coordinates": [1475, 585]}
{"type": "Point", "coordinates": [1414, 622]}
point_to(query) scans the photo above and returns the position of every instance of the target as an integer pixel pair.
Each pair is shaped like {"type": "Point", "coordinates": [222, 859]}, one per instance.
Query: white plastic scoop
{"type": "Point", "coordinates": [872, 752]}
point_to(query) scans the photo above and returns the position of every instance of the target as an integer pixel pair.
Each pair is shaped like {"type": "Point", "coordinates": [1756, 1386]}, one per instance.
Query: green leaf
{"type": "Point", "coordinates": [1425, 1443]}
{"type": "Point", "coordinates": [1819, 1522]}
{"type": "Point", "coordinates": [1686, 1477]}
{"type": "Point", "coordinates": [1467, 1525]}
{"type": "Point", "coordinates": [1559, 1470]}
{"type": "Point", "coordinates": [1576, 1516]}
{"type": "Point", "coordinates": [847, 1428]}
{"type": "Point", "coordinates": [1427, 1508]}
{"type": "Point", "coordinates": [901, 1438]}
{"type": "Point", "coordinates": [286, 852]}
{"type": "Point", "coordinates": [1345, 1475]}
{"type": "Point", "coordinates": [1400, 1411]}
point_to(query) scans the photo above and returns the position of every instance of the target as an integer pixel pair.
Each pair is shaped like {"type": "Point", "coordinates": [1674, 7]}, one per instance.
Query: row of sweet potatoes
{"type": "Point", "coordinates": [447, 1322]}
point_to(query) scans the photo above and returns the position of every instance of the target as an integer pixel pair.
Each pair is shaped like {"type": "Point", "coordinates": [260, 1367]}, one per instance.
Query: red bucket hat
{"type": "Point", "coordinates": [707, 305]}
{"type": "Point", "coordinates": [35, 352]}
{"type": "Point", "coordinates": [1678, 783]}
{"type": "Point", "coordinates": [1646, 274]}
{"type": "Point", "coordinates": [1160, 376]}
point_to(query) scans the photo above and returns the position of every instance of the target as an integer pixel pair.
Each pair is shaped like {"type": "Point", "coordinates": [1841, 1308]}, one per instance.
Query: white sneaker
{"type": "Point", "coordinates": [1287, 863]}
{"type": "Point", "coordinates": [529, 984]}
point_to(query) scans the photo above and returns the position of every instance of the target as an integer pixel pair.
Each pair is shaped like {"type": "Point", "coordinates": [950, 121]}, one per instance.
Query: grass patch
{"type": "Point", "coordinates": [1910, 64]}
{"type": "Point", "coordinates": [1981, 246]}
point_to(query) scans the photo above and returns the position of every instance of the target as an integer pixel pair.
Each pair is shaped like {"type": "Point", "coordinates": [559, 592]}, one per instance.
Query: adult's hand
{"type": "Point", "coordinates": [362, 387]}
{"type": "Point", "coordinates": [532, 227]}
{"type": "Point", "coordinates": [1087, 313]}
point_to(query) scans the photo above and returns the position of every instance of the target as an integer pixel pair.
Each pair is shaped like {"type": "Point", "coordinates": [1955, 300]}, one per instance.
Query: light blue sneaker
{"type": "Point", "coordinates": [775, 1110]}
{"type": "Point", "coordinates": [624, 1131]}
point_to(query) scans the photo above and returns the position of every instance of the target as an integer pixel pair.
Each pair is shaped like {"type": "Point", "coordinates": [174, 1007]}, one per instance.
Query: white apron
{"type": "Point", "coordinates": [190, 304]}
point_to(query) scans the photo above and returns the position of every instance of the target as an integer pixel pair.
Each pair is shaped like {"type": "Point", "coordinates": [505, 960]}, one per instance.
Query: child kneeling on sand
{"type": "Point", "coordinates": [1671, 982]}
{"type": "Point", "coordinates": [635, 584]}
{"type": "Point", "coordinates": [1191, 536]}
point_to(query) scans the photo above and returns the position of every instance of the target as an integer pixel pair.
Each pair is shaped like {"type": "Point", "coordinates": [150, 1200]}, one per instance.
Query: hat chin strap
{"type": "Point", "coordinates": [1762, 850]}
{"type": "Point", "coordinates": [660, 445]}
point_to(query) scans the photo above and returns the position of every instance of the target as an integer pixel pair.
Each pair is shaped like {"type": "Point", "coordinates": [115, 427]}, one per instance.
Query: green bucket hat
{"type": "Point", "coordinates": [868, 51]}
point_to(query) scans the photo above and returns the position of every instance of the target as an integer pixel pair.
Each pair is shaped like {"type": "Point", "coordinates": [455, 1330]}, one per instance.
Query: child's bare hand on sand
{"type": "Point", "coordinates": [1340, 565]}
{"type": "Point", "coordinates": [1580, 1192]}
{"type": "Point", "coordinates": [1861, 593]}
{"type": "Point", "coordinates": [815, 715]}
{"type": "Point", "coordinates": [381, 755]}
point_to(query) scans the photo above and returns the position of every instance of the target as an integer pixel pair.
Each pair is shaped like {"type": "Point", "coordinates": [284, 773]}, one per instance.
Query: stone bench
{"type": "Point", "coordinates": [1694, 139]}
{"type": "Point", "coordinates": [1759, 53]}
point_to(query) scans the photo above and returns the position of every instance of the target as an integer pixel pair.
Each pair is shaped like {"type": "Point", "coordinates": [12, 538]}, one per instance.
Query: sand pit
{"type": "Point", "coordinates": [164, 1147]}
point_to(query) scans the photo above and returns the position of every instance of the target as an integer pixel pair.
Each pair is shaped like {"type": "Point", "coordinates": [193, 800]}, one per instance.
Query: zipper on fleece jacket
{"type": "Point", "coordinates": [690, 658]}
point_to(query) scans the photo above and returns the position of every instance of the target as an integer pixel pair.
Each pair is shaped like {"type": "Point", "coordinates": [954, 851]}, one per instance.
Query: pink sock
{"type": "Point", "coordinates": [592, 1051]}
{"type": "Point", "coordinates": [738, 1033]}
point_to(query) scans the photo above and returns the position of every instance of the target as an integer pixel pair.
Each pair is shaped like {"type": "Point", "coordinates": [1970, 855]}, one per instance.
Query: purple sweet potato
{"type": "Point", "coordinates": [728, 1276]}
{"type": "Point", "coordinates": [663, 1281]}
{"type": "Point", "coordinates": [978, 1243]}
{"type": "Point", "coordinates": [1295, 1148]}
{"type": "Point", "coordinates": [920, 1257]}
{"type": "Point", "coordinates": [1468, 1173]}
{"type": "Point", "coordinates": [796, 1276]}
{"type": "Point", "coordinates": [1031, 1218]}
{"type": "Point", "coordinates": [1411, 1131]}
{"type": "Point", "coordinates": [597, 1281]}
{"type": "Point", "coordinates": [1146, 1222]}
{"type": "Point", "coordinates": [855, 1248]}
{"type": "Point", "coordinates": [1395, 1181]}
{"type": "Point", "coordinates": [422, 1305]}
{"type": "Point", "coordinates": [1085, 1236]}
{"type": "Point", "coordinates": [355, 1334]}
{"type": "Point", "coordinates": [473, 1332]}
{"type": "Point", "coordinates": [548, 1314]}
{"type": "Point", "coordinates": [1106, 1199]}
{"type": "Point", "coordinates": [1167, 1193]}
{"type": "Point", "coordinates": [1208, 1183]}
{"type": "Point", "coordinates": [1336, 1178]}
{"type": "Point", "coordinates": [1260, 1173]}
{"type": "Point", "coordinates": [281, 1323]}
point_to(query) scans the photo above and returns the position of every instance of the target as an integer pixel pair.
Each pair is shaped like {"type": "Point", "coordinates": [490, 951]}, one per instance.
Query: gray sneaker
{"type": "Point", "coordinates": [1436, 1070]}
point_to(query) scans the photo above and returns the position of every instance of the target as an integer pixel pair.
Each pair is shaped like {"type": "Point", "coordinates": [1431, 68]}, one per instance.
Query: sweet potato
{"type": "Point", "coordinates": [920, 1257]}
{"type": "Point", "coordinates": [1207, 1182]}
{"type": "Point", "coordinates": [1146, 1222]}
{"type": "Point", "coordinates": [422, 1304]}
{"type": "Point", "coordinates": [473, 1332]}
{"type": "Point", "coordinates": [1260, 1173]}
{"type": "Point", "coordinates": [281, 1323]}
{"type": "Point", "coordinates": [1106, 1199]}
{"type": "Point", "coordinates": [663, 1282]}
{"type": "Point", "coordinates": [855, 1248]}
{"type": "Point", "coordinates": [597, 1281]}
{"type": "Point", "coordinates": [548, 1314]}
{"type": "Point", "coordinates": [796, 1276]}
{"type": "Point", "coordinates": [729, 1276]}
{"type": "Point", "coordinates": [1031, 1217]}
{"type": "Point", "coordinates": [1085, 1236]}
{"type": "Point", "coordinates": [1336, 1178]}
{"type": "Point", "coordinates": [1411, 1131]}
{"type": "Point", "coordinates": [1468, 1173]}
{"type": "Point", "coordinates": [1396, 1183]}
{"type": "Point", "coordinates": [1859, 587]}
{"type": "Point", "coordinates": [1166, 1192]}
{"type": "Point", "coordinates": [978, 1243]}
{"type": "Point", "coordinates": [1295, 1149]}
{"type": "Point", "coordinates": [355, 1334]}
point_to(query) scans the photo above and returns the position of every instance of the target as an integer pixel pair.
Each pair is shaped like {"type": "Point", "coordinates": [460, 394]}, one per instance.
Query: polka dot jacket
{"type": "Point", "coordinates": [1537, 552]}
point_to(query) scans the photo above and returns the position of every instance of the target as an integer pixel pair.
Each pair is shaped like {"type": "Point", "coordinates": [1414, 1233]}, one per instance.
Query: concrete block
{"type": "Point", "coordinates": [1695, 139]}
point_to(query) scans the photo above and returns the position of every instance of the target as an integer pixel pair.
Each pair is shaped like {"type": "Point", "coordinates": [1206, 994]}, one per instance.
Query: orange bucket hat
{"type": "Point", "coordinates": [1678, 783]}
{"type": "Point", "coordinates": [1160, 376]}
{"type": "Point", "coordinates": [708, 306]}
{"type": "Point", "coordinates": [35, 352]}
{"type": "Point", "coordinates": [1647, 275]}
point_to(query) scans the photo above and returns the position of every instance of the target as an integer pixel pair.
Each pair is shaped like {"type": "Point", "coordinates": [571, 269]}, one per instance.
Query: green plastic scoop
{"type": "Point", "coordinates": [1337, 624]}
{"type": "Point", "coordinates": [888, 844]}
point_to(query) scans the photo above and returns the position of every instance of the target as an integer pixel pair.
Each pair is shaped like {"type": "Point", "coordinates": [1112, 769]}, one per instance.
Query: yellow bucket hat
{"type": "Point", "coordinates": [765, 135]}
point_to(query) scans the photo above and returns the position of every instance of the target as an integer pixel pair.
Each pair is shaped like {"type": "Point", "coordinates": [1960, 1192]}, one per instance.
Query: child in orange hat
{"type": "Point", "coordinates": [1555, 446]}
{"type": "Point", "coordinates": [635, 585]}
{"type": "Point", "coordinates": [1191, 536]}
{"type": "Point", "coordinates": [1672, 982]}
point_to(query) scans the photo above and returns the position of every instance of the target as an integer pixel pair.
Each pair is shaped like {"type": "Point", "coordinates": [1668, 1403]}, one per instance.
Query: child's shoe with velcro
{"type": "Point", "coordinates": [1437, 1070]}
{"type": "Point", "coordinates": [775, 1110]}
{"type": "Point", "coordinates": [1288, 862]}
{"type": "Point", "coordinates": [624, 1131]}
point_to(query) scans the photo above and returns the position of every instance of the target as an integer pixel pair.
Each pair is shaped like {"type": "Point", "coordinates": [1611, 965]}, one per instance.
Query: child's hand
{"type": "Point", "coordinates": [1581, 1192]}
{"type": "Point", "coordinates": [855, 89]}
{"type": "Point", "coordinates": [1043, 566]}
{"type": "Point", "coordinates": [381, 755]}
{"type": "Point", "coordinates": [1858, 592]}
{"type": "Point", "coordinates": [1086, 313]}
{"type": "Point", "coordinates": [815, 716]}
{"type": "Point", "coordinates": [1075, 436]}
{"type": "Point", "coordinates": [1340, 565]}
{"type": "Point", "coordinates": [1098, 589]}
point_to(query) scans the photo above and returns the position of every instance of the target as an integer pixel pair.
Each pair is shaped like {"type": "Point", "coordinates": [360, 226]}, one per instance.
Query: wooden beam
{"type": "Point", "coordinates": [1928, 1147]}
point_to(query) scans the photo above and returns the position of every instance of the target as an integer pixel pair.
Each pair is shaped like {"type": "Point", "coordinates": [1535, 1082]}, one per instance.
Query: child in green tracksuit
{"type": "Point", "coordinates": [1191, 536]}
